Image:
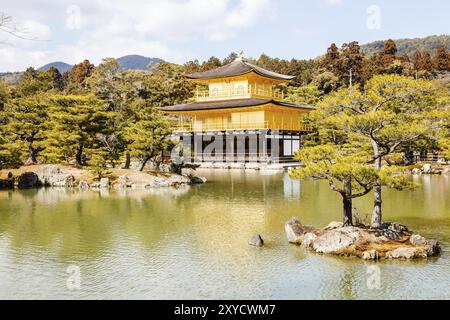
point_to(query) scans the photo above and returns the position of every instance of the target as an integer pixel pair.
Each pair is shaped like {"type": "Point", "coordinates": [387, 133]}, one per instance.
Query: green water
{"type": "Point", "coordinates": [192, 243]}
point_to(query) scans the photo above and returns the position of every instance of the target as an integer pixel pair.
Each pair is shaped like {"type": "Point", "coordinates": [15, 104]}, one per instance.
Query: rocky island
{"type": "Point", "coordinates": [391, 241]}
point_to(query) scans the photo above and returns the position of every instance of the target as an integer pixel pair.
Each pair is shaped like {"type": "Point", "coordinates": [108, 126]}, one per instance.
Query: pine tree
{"type": "Point", "coordinates": [149, 134]}
{"type": "Point", "coordinates": [351, 64]}
{"type": "Point", "coordinates": [78, 75]}
{"type": "Point", "coordinates": [426, 62]}
{"type": "Point", "coordinates": [389, 111]}
{"type": "Point", "coordinates": [24, 121]}
{"type": "Point", "coordinates": [417, 60]}
{"type": "Point", "coordinates": [441, 59]}
{"type": "Point", "coordinates": [4, 94]}
{"type": "Point", "coordinates": [75, 122]}
{"type": "Point", "coordinates": [346, 171]}
{"type": "Point", "coordinates": [331, 59]}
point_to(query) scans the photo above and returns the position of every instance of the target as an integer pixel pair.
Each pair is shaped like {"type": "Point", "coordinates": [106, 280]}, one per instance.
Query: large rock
{"type": "Point", "coordinates": [334, 225]}
{"type": "Point", "coordinates": [104, 183]}
{"type": "Point", "coordinates": [294, 231]}
{"type": "Point", "coordinates": [158, 183]}
{"type": "Point", "coordinates": [427, 169]}
{"type": "Point", "coordinates": [172, 181]}
{"type": "Point", "coordinates": [83, 185]}
{"type": "Point", "coordinates": [308, 240]}
{"type": "Point", "coordinates": [6, 184]}
{"type": "Point", "coordinates": [416, 171]}
{"type": "Point", "coordinates": [124, 182]}
{"type": "Point", "coordinates": [370, 255]}
{"type": "Point", "coordinates": [28, 180]}
{"type": "Point", "coordinates": [407, 253]}
{"type": "Point", "coordinates": [336, 241]}
{"type": "Point", "coordinates": [431, 246]}
{"type": "Point", "coordinates": [446, 171]}
{"type": "Point", "coordinates": [394, 231]}
{"type": "Point", "coordinates": [52, 176]}
{"type": "Point", "coordinates": [197, 180]}
{"type": "Point", "coordinates": [256, 241]}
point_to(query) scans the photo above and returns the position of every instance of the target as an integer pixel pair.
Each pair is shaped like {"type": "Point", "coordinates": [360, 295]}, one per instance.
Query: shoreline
{"type": "Point", "coordinates": [66, 176]}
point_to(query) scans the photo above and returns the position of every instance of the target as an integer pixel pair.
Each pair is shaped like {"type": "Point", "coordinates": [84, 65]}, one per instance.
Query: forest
{"type": "Point", "coordinates": [101, 116]}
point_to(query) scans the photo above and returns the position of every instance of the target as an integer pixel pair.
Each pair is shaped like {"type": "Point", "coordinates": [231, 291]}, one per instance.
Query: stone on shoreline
{"type": "Point", "coordinates": [104, 183]}
{"type": "Point", "coordinates": [336, 240]}
{"type": "Point", "coordinates": [407, 253]}
{"type": "Point", "coordinates": [426, 169]}
{"type": "Point", "coordinates": [294, 231]}
{"type": "Point", "coordinates": [197, 180]}
{"type": "Point", "coordinates": [83, 185]}
{"type": "Point", "coordinates": [6, 184]}
{"type": "Point", "coordinates": [256, 241]}
{"type": "Point", "coordinates": [334, 225]}
{"type": "Point", "coordinates": [370, 255]}
{"type": "Point", "coordinates": [308, 240]}
{"type": "Point", "coordinates": [124, 182]}
{"type": "Point", "coordinates": [28, 180]}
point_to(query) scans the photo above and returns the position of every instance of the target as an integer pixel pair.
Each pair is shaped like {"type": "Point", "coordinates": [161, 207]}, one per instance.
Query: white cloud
{"type": "Point", "coordinates": [247, 13]}
{"type": "Point", "coordinates": [117, 27]}
{"type": "Point", "coordinates": [334, 3]}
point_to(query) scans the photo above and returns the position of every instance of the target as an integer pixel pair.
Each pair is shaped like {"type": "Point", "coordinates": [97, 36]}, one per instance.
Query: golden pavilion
{"type": "Point", "coordinates": [239, 115]}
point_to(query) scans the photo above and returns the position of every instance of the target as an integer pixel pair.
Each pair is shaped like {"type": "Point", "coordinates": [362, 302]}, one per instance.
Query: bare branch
{"type": "Point", "coordinates": [9, 27]}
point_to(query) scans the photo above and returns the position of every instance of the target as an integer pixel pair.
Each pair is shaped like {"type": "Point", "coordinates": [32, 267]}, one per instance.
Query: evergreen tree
{"type": "Point", "coordinates": [351, 64]}
{"type": "Point", "coordinates": [417, 60]}
{"type": "Point", "coordinates": [148, 135]}
{"type": "Point", "coordinates": [441, 59]}
{"type": "Point", "coordinates": [75, 122]}
{"type": "Point", "coordinates": [347, 173]}
{"type": "Point", "coordinates": [426, 62]}
{"type": "Point", "coordinates": [332, 59]}
{"type": "Point", "coordinates": [390, 111]}
{"type": "Point", "coordinates": [24, 122]}
{"type": "Point", "coordinates": [4, 94]}
{"type": "Point", "coordinates": [78, 75]}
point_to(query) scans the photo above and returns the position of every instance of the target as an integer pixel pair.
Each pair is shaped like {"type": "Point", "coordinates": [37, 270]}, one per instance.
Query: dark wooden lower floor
{"type": "Point", "coordinates": [240, 146]}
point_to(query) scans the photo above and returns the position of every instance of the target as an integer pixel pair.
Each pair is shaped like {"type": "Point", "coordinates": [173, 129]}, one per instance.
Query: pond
{"type": "Point", "coordinates": [192, 243]}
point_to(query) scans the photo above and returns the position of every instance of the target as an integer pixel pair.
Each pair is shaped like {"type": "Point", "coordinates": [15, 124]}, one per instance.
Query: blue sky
{"type": "Point", "coordinates": [179, 30]}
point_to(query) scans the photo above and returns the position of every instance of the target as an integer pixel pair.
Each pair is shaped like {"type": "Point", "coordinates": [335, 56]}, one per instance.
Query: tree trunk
{"type": "Point", "coordinates": [127, 161]}
{"type": "Point", "coordinates": [32, 157]}
{"type": "Point", "coordinates": [79, 156]}
{"type": "Point", "coordinates": [347, 202]}
{"type": "Point", "coordinates": [377, 213]}
{"type": "Point", "coordinates": [144, 163]}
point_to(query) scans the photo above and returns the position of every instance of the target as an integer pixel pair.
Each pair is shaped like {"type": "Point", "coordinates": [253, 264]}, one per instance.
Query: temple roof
{"type": "Point", "coordinates": [237, 68]}
{"type": "Point", "coordinates": [229, 104]}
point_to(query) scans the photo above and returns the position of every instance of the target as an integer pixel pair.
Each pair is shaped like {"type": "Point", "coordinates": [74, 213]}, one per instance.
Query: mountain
{"type": "Point", "coordinates": [136, 62]}
{"type": "Point", "coordinates": [61, 66]}
{"type": "Point", "coordinates": [408, 46]}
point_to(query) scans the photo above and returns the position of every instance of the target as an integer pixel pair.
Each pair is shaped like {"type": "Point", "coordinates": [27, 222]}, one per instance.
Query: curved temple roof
{"type": "Point", "coordinates": [237, 68]}
{"type": "Point", "coordinates": [229, 104]}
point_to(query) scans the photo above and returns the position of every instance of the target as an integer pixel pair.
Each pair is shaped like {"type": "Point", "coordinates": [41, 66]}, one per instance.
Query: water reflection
{"type": "Point", "coordinates": [192, 242]}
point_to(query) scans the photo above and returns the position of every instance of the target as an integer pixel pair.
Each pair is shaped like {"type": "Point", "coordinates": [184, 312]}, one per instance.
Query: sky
{"type": "Point", "coordinates": [182, 30]}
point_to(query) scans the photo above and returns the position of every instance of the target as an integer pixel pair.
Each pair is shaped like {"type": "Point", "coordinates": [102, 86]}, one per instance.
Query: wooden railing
{"type": "Point", "coordinates": [237, 93]}
{"type": "Point", "coordinates": [208, 127]}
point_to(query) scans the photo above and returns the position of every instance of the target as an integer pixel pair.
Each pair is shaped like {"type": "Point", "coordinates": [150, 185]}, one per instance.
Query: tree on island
{"type": "Point", "coordinates": [347, 173]}
{"type": "Point", "coordinates": [377, 119]}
